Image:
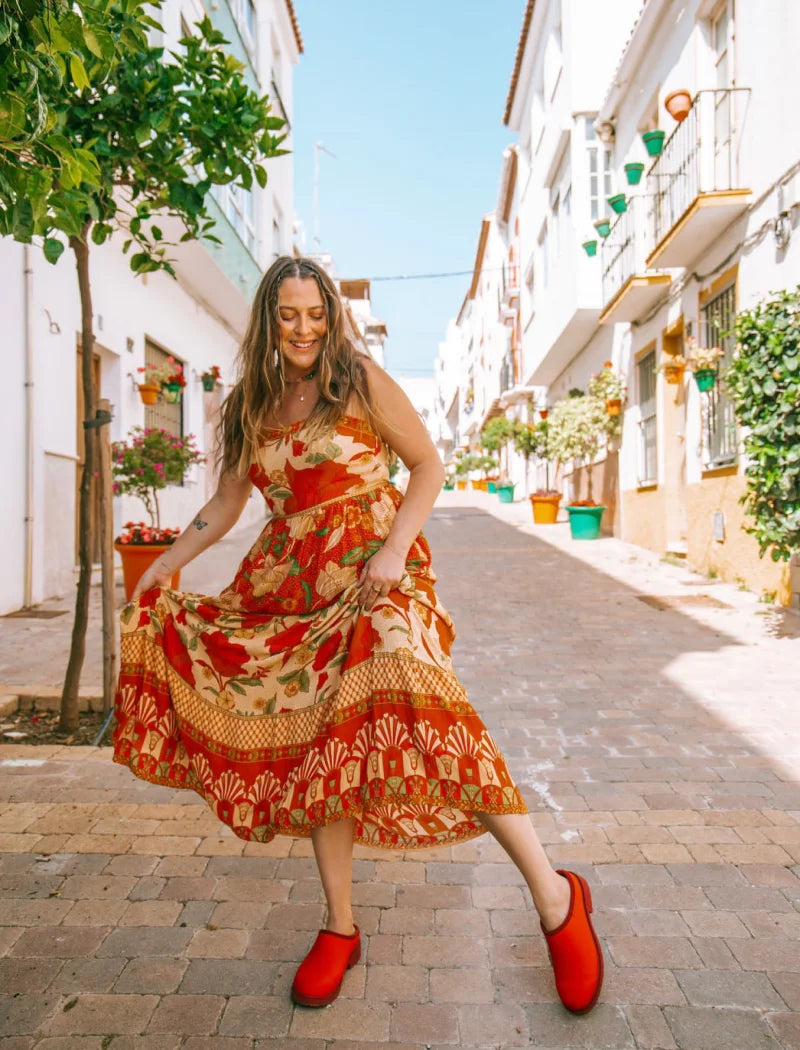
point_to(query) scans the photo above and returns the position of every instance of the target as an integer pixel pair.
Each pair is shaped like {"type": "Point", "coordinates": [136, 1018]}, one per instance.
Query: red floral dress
{"type": "Point", "coordinates": [282, 701]}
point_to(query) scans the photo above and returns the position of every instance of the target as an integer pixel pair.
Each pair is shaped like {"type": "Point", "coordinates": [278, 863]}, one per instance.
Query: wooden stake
{"type": "Point", "coordinates": [107, 557]}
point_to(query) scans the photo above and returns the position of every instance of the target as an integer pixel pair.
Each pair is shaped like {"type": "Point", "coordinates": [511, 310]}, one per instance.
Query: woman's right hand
{"type": "Point", "coordinates": [154, 576]}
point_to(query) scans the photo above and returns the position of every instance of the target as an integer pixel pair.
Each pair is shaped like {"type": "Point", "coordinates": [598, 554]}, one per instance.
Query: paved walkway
{"type": "Point", "coordinates": [653, 740]}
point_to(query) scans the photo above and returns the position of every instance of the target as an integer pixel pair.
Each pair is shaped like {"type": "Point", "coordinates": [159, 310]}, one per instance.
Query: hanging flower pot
{"type": "Point", "coordinates": [633, 172]}
{"type": "Point", "coordinates": [171, 392]}
{"type": "Point", "coordinates": [673, 373]}
{"type": "Point", "coordinates": [613, 405]}
{"type": "Point", "coordinates": [590, 247]}
{"type": "Point", "coordinates": [603, 227]}
{"type": "Point", "coordinates": [705, 378]}
{"type": "Point", "coordinates": [148, 392]}
{"type": "Point", "coordinates": [654, 142]}
{"type": "Point", "coordinates": [209, 382]}
{"type": "Point", "coordinates": [678, 103]}
{"type": "Point", "coordinates": [543, 413]}
{"type": "Point", "coordinates": [618, 203]}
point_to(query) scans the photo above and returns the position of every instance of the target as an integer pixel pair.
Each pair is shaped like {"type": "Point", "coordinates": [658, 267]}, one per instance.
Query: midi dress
{"type": "Point", "coordinates": [283, 701]}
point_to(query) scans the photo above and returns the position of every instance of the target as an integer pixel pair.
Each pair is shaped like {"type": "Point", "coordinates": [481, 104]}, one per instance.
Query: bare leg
{"type": "Point", "coordinates": [333, 849]}
{"type": "Point", "coordinates": [550, 891]}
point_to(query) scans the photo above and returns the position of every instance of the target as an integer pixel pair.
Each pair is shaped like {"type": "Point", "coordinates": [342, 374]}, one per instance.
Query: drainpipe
{"type": "Point", "coordinates": [28, 336]}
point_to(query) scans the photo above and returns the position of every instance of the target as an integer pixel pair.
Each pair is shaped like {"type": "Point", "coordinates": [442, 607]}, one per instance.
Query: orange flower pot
{"type": "Point", "coordinates": [136, 558]}
{"type": "Point", "coordinates": [461, 484]}
{"type": "Point", "coordinates": [673, 373]}
{"type": "Point", "coordinates": [678, 104]}
{"type": "Point", "coordinates": [148, 392]}
{"type": "Point", "coordinates": [614, 406]}
{"type": "Point", "coordinates": [545, 509]}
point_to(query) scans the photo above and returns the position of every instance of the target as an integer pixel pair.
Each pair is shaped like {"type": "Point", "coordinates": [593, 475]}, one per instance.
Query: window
{"type": "Point", "coordinates": [544, 267]}
{"type": "Point", "coordinates": [600, 185]}
{"type": "Point", "coordinates": [648, 433]}
{"type": "Point", "coordinates": [239, 207]}
{"type": "Point", "coordinates": [720, 436]}
{"type": "Point", "coordinates": [722, 48]}
{"type": "Point", "coordinates": [163, 414]}
{"type": "Point", "coordinates": [244, 11]}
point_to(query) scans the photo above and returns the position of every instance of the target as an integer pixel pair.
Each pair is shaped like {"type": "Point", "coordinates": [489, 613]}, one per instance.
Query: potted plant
{"type": "Point", "coordinates": [673, 367]}
{"type": "Point", "coordinates": [462, 468]}
{"type": "Point", "coordinates": [703, 363]}
{"type": "Point", "coordinates": [603, 226]}
{"type": "Point", "coordinates": [172, 386]}
{"type": "Point", "coordinates": [152, 378]}
{"type": "Point", "coordinates": [210, 378]}
{"type": "Point", "coordinates": [678, 104]}
{"type": "Point", "coordinates": [608, 388]}
{"type": "Point", "coordinates": [495, 437]}
{"type": "Point", "coordinates": [577, 428]}
{"type": "Point", "coordinates": [533, 440]}
{"type": "Point", "coordinates": [633, 172]}
{"type": "Point", "coordinates": [151, 459]}
{"type": "Point", "coordinates": [590, 247]}
{"type": "Point", "coordinates": [449, 482]}
{"type": "Point", "coordinates": [618, 203]}
{"type": "Point", "coordinates": [654, 141]}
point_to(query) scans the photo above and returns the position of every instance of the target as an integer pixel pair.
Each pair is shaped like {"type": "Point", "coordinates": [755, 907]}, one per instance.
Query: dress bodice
{"type": "Point", "coordinates": [295, 473]}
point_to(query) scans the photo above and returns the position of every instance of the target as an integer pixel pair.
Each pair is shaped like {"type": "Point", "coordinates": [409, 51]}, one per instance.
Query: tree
{"type": "Point", "coordinates": [495, 436]}
{"type": "Point", "coordinates": [577, 430]}
{"type": "Point", "coordinates": [132, 142]}
{"type": "Point", "coordinates": [532, 439]}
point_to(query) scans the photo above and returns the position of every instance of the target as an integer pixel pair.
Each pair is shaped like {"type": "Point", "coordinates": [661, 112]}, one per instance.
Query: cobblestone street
{"type": "Point", "coordinates": [656, 742]}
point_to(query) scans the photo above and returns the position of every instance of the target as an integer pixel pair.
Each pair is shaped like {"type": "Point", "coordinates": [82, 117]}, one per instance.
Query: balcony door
{"type": "Point", "coordinates": [722, 42]}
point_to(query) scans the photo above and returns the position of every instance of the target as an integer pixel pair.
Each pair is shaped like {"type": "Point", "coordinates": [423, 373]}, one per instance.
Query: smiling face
{"type": "Point", "coordinates": [302, 323]}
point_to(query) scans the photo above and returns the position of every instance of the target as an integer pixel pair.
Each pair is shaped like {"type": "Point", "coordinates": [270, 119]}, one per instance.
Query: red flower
{"type": "Point", "coordinates": [327, 651]}
{"type": "Point", "coordinates": [176, 652]}
{"type": "Point", "coordinates": [287, 639]}
{"type": "Point", "coordinates": [227, 657]}
{"type": "Point", "coordinates": [363, 643]}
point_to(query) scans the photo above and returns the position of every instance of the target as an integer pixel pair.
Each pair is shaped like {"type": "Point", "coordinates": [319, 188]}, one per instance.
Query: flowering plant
{"type": "Point", "coordinates": [702, 357]}
{"type": "Point", "coordinates": [672, 361]}
{"type": "Point", "coordinates": [150, 460]}
{"type": "Point", "coordinates": [159, 375]}
{"type": "Point", "coordinates": [137, 532]}
{"type": "Point", "coordinates": [606, 384]}
{"type": "Point", "coordinates": [212, 373]}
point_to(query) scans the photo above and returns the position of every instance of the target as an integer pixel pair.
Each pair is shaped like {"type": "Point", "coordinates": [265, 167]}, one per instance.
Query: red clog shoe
{"type": "Point", "coordinates": [575, 950]}
{"type": "Point", "coordinates": [319, 976]}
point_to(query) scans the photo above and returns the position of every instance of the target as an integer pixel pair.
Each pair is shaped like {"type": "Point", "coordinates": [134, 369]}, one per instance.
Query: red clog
{"type": "Point", "coordinates": [575, 950]}
{"type": "Point", "coordinates": [319, 976]}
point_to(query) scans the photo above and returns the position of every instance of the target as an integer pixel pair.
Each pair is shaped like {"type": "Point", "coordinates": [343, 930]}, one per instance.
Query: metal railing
{"type": "Point", "coordinates": [624, 250]}
{"type": "Point", "coordinates": [700, 156]}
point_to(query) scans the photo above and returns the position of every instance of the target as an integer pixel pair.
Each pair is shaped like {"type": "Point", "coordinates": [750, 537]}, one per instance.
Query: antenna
{"type": "Point", "coordinates": [319, 147]}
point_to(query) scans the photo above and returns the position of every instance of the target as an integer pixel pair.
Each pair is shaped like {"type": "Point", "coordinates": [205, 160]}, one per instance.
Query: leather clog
{"type": "Point", "coordinates": [319, 976]}
{"type": "Point", "coordinates": [575, 951]}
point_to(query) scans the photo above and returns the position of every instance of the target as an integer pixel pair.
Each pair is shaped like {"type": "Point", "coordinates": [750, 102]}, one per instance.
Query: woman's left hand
{"type": "Point", "coordinates": [382, 573]}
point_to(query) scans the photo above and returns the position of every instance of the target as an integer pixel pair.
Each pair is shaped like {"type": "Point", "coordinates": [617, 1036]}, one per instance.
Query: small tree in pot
{"type": "Point", "coordinates": [577, 431]}
{"type": "Point", "coordinates": [495, 436]}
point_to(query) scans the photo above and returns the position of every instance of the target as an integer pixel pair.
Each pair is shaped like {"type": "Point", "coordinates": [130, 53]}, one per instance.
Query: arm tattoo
{"type": "Point", "coordinates": [199, 524]}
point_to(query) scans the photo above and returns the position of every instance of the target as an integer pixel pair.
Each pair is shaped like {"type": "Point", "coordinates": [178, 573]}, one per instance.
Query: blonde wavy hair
{"type": "Point", "coordinates": [261, 384]}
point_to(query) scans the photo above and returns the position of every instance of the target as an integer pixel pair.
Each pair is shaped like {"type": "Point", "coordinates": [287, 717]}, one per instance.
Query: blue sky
{"type": "Point", "coordinates": [409, 95]}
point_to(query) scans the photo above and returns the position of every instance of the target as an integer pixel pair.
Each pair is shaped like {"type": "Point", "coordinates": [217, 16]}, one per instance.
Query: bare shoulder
{"type": "Point", "coordinates": [399, 423]}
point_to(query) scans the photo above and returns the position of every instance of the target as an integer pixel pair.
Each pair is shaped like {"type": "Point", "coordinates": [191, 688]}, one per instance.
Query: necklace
{"type": "Point", "coordinates": [303, 379]}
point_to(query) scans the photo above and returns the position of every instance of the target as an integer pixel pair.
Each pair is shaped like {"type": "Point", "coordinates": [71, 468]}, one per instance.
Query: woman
{"type": "Point", "coordinates": [315, 695]}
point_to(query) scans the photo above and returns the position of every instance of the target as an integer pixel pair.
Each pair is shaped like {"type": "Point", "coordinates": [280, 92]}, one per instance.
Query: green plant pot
{"type": "Point", "coordinates": [705, 378]}
{"type": "Point", "coordinates": [584, 522]}
{"type": "Point", "coordinates": [590, 247]}
{"type": "Point", "coordinates": [603, 227]}
{"type": "Point", "coordinates": [633, 173]}
{"type": "Point", "coordinates": [449, 486]}
{"type": "Point", "coordinates": [171, 392]}
{"type": "Point", "coordinates": [209, 382]}
{"type": "Point", "coordinates": [654, 142]}
{"type": "Point", "coordinates": [506, 493]}
{"type": "Point", "coordinates": [491, 486]}
{"type": "Point", "coordinates": [618, 203]}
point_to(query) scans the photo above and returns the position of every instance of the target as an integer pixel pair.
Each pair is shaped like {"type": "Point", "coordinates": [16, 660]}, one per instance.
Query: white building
{"type": "Point", "coordinates": [198, 319]}
{"type": "Point", "coordinates": [711, 229]}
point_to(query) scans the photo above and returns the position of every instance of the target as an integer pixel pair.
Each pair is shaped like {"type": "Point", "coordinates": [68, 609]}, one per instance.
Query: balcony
{"type": "Point", "coordinates": [698, 192]}
{"type": "Point", "coordinates": [629, 290]}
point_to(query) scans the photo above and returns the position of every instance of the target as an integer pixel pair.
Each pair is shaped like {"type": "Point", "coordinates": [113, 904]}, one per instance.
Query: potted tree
{"type": "Point", "coordinates": [535, 441]}
{"type": "Point", "coordinates": [495, 437]}
{"type": "Point", "coordinates": [577, 429]}
{"type": "Point", "coordinates": [462, 468]}
{"type": "Point", "coordinates": [149, 461]}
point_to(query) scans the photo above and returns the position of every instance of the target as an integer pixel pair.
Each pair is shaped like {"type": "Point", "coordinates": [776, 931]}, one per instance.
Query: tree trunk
{"type": "Point", "coordinates": [69, 695]}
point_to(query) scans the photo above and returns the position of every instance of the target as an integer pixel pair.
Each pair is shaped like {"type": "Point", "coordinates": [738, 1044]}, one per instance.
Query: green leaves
{"type": "Point", "coordinates": [764, 383]}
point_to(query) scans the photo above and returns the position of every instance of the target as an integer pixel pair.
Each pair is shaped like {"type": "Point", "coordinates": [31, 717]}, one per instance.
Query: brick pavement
{"type": "Point", "coordinates": [655, 749]}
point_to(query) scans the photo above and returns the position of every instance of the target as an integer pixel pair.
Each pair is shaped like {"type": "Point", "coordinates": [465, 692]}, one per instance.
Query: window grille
{"type": "Point", "coordinates": [648, 432]}
{"type": "Point", "coordinates": [163, 414]}
{"type": "Point", "coordinates": [716, 329]}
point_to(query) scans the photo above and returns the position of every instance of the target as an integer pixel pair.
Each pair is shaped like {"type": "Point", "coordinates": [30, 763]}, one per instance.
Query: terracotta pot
{"type": "Point", "coordinates": [461, 484]}
{"type": "Point", "coordinates": [148, 392]}
{"type": "Point", "coordinates": [136, 558]}
{"type": "Point", "coordinates": [545, 509]}
{"type": "Point", "coordinates": [673, 373]}
{"type": "Point", "coordinates": [678, 104]}
{"type": "Point", "coordinates": [543, 413]}
{"type": "Point", "coordinates": [614, 405]}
